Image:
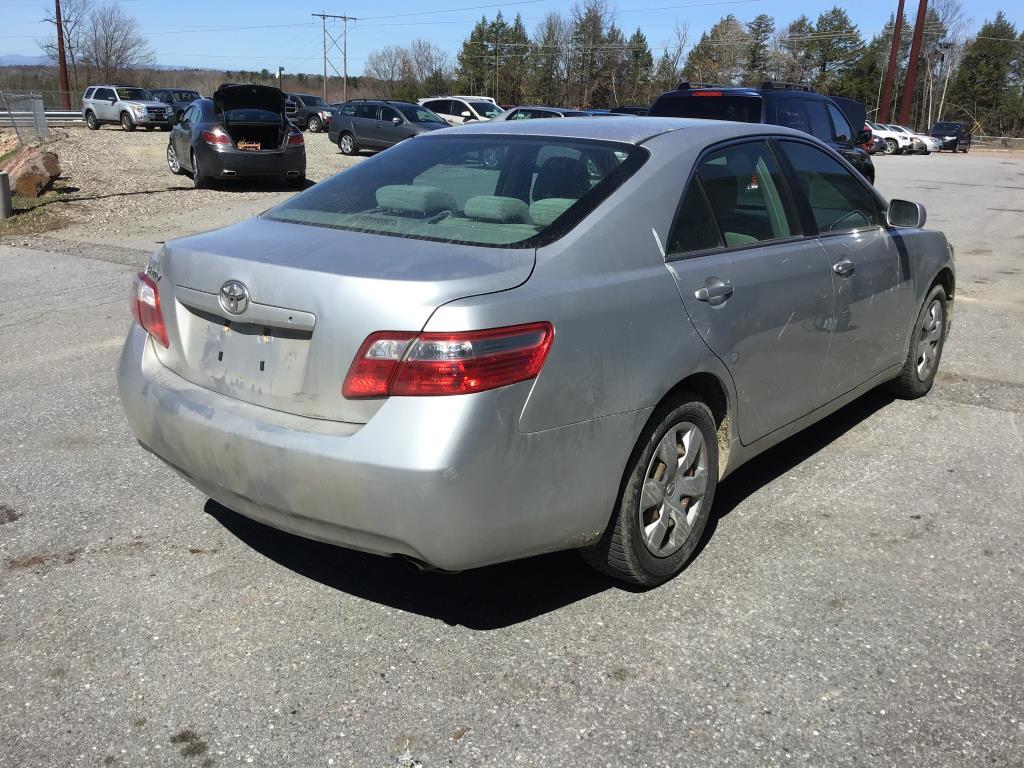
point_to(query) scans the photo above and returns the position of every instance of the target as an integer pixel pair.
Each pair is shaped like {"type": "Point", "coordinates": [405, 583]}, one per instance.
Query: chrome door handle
{"type": "Point", "coordinates": [715, 291]}
{"type": "Point", "coordinates": [844, 268]}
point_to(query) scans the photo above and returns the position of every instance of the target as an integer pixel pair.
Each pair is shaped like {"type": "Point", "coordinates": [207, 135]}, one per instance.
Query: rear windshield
{"type": "Point", "coordinates": [134, 94]}
{"type": "Point", "coordinates": [741, 109]}
{"type": "Point", "coordinates": [251, 115]}
{"type": "Point", "coordinates": [505, 191]}
{"type": "Point", "coordinates": [947, 127]}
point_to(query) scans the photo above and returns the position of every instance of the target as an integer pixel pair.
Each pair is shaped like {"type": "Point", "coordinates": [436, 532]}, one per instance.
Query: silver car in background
{"type": "Point", "coordinates": [515, 338]}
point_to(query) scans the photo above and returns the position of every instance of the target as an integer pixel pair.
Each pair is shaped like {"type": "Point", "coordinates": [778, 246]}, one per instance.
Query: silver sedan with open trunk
{"type": "Point", "coordinates": [504, 340]}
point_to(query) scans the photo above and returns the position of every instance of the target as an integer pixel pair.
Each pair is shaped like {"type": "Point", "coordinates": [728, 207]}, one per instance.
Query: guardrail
{"type": "Point", "coordinates": [53, 117]}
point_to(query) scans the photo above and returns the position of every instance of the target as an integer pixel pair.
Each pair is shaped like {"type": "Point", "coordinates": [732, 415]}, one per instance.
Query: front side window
{"type": "Point", "coordinates": [486, 108]}
{"type": "Point", "coordinates": [104, 93]}
{"type": "Point", "coordinates": [839, 202]}
{"type": "Point", "coordinates": [314, 101]}
{"type": "Point", "coordinates": [349, 110]}
{"type": "Point", "coordinates": [748, 194]}
{"type": "Point", "coordinates": [420, 115]}
{"type": "Point", "coordinates": [187, 95]}
{"type": "Point", "coordinates": [841, 130]}
{"type": "Point", "coordinates": [387, 114]}
{"type": "Point", "coordinates": [506, 191]}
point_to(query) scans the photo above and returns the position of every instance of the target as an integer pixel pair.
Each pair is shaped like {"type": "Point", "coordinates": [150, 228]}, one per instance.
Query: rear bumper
{"type": "Point", "coordinates": [238, 163]}
{"type": "Point", "coordinates": [451, 481]}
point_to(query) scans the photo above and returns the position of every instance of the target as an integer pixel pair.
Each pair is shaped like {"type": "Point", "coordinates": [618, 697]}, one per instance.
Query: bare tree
{"type": "Point", "coordinates": [429, 64]}
{"type": "Point", "coordinates": [113, 43]}
{"type": "Point", "coordinates": [74, 19]}
{"type": "Point", "coordinates": [385, 66]}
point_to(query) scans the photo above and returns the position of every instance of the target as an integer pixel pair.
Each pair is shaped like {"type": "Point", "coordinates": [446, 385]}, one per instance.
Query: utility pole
{"type": "Point", "coordinates": [324, 16]}
{"type": "Point", "coordinates": [65, 88]}
{"type": "Point", "coordinates": [890, 73]}
{"type": "Point", "coordinates": [915, 50]}
{"type": "Point", "coordinates": [280, 72]}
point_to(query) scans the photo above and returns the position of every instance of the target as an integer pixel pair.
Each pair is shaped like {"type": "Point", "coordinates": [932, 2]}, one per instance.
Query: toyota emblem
{"type": "Point", "coordinates": [233, 297]}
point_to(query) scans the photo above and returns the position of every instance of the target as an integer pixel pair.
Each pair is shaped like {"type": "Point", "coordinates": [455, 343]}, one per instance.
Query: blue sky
{"type": "Point", "coordinates": [268, 33]}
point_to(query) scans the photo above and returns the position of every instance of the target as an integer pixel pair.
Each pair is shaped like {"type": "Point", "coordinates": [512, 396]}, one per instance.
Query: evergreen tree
{"type": "Point", "coordinates": [986, 90]}
{"type": "Point", "coordinates": [835, 48]}
{"type": "Point", "coordinates": [718, 55]}
{"type": "Point", "coordinates": [759, 32]}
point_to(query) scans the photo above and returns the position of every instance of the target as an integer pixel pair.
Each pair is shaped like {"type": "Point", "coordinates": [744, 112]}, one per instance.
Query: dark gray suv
{"type": "Point", "coordinates": [379, 124]}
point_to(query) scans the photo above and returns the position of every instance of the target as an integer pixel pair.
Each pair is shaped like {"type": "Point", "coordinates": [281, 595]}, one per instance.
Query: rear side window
{"type": "Point", "coordinates": [504, 191]}
{"type": "Point", "coordinates": [821, 126]}
{"type": "Point", "coordinates": [440, 105]}
{"type": "Point", "coordinates": [748, 194]}
{"type": "Point", "coordinates": [88, 93]}
{"type": "Point", "coordinates": [792, 113]}
{"type": "Point", "coordinates": [838, 201]}
{"type": "Point", "coordinates": [694, 228]}
{"type": "Point", "coordinates": [367, 111]}
{"type": "Point", "coordinates": [716, 105]}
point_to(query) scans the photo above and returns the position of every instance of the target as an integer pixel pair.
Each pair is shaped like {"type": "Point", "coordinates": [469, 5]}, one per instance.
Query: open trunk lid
{"type": "Point", "coordinates": [230, 97]}
{"type": "Point", "coordinates": [306, 298]}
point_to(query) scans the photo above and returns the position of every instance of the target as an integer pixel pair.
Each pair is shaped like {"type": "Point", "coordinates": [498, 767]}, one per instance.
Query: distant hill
{"type": "Point", "coordinates": [20, 60]}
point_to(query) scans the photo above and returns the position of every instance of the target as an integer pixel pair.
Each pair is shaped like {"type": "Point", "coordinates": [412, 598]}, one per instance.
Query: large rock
{"type": "Point", "coordinates": [32, 170]}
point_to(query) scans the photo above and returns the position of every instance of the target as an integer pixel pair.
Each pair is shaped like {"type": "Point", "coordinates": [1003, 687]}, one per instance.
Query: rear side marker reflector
{"type": "Point", "coordinates": [425, 364]}
{"type": "Point", "coordinates": [145, 303]}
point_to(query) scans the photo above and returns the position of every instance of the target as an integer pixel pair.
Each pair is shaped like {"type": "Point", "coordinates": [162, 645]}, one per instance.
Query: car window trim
{"type": "Point", "coordinates": [765, 138]}
{"type": "Point", "coordinates": [857, 176]}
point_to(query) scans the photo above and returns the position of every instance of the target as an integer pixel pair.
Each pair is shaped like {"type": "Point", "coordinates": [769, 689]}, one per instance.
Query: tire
{"type": "Point", "coordinates": [647, 540]}
{"type": "Point", "coordinates": [172, 160]}
{"type": "Point", "coordinates": [127, 123]}
{"type": "Point", "coordinates": [924, 350]}
{"type": "Point", "coordinates": [891, 147]}
{"type": "Point", "coordinates": [91, 121]}
{"type": "Point", "coordinates": [165, 127]}
{"type": "Point", "coordinates": [347, 143]}
{"type": "Point", "coordinates": [199, 181]}
{"type": "Point", "coordinates": [315, 124]}
{"type": "Point", "coordinates": [964, 150]}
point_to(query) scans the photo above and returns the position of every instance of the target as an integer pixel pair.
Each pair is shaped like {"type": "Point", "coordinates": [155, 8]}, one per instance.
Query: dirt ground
{"type": "Point", "coordinates": [116, 190]}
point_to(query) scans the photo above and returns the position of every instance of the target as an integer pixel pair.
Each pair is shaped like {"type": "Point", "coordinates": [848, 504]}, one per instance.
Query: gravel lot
{"type": "Point", "coordinates": [858, 601]}
{"type": "Point", "coordinates": [124, 195]}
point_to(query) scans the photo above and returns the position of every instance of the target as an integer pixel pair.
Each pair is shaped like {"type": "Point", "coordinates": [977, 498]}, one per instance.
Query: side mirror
{"type": "Point", "coordinates": [396, 120]}
{"type": "Point", "coordinates": [466, 114]}
{"type": "Point", "coordinates": [903, 213]}
{"type": "Point", "coordinates": [864, 137]}
{"type": "Point", "coordinates": [112, 99]}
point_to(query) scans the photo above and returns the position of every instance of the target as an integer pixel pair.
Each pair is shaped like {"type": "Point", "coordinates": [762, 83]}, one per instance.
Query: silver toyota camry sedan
{"type": "Point", "coordinates": [507, 339]}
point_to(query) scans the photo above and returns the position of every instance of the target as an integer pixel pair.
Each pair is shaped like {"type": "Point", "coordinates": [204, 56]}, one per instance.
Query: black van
{"type": "Point", "coordinates": [954, 136]}
{"type": "Point", "coordinates": [787, 104]}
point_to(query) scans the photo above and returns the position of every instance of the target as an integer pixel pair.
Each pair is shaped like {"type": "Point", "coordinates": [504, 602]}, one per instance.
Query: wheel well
{"type": "Point", "coordinates": [710, 389]}
{"type": "Point", "coordinates": [946, 280]}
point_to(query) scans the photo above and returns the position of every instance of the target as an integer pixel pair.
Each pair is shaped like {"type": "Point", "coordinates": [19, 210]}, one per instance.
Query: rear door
{"type": "Point", "coordinates": [757, 290]}
{"type": "Point", "coordinates": [102, 105]}
{"type": "Point", "coordinates": [364, 124]}
{"type": "Point", "coordinates": [871, 281]}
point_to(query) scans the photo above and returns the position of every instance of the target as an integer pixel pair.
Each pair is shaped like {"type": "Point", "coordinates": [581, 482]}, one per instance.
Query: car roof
{"type": "Point", "coordinates": [627, 129]}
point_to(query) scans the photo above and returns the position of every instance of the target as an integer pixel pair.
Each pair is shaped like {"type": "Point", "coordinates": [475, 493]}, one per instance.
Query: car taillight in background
{"type": "Point", "coordinates": [706, 93]}
{"type": "Point", "coordinates": [145, 303]}
{"type": "Point", "coordinates": [402, 363]}
{"type": "Point", "coordinates": [216, 137]}
{"type": "Point", "coordinates": [295, 138]}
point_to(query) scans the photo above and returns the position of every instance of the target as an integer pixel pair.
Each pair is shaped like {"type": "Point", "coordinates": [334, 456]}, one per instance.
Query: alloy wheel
{"type": "Point", "coordinates": [347, 146]}
{"type": "Point", "coordinates": [928, 338]}
{"type": "Point", "coordinates": [172, 159]}
{"type": "Point", "coordinates": [673, 491]}
{"type": "Point", "coordinates": [890, 146]}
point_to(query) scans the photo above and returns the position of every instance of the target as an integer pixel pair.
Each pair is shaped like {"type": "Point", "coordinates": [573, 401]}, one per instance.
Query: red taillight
{"type": "Point", "coordinates": [146, 308]}
{"type": "Point", "coordinates": [217, 137]}
{"type": "Point", "coordinates": [707, 93]}
{"type": "Point", "coordinates": [295, 139]}
{"type": "Point", "coordinates": [398, 363]}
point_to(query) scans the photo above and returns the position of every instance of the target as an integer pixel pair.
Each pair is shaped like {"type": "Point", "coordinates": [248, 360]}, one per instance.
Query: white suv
{"type": "Point", "coordinates": [457, 110]}
{"type": "Point", "coordinates": [895, 142]}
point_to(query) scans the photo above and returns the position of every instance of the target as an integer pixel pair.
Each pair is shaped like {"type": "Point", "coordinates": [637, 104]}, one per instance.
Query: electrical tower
{"type": "Point", "coordinates": [342, 46]}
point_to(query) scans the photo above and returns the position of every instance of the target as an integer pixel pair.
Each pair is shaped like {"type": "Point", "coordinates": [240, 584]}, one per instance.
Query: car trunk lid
{"type": "Point", "coordinates": [245, 112]}
{"type": "Point", "coordinates": [273, 313]}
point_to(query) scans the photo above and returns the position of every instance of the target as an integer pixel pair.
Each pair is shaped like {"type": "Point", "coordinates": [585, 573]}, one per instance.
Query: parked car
{"type": "Point", "coordinates": [953, 136]}
{"type": "Point", "coordinates": [378, 124]}
{"type": "Point", "coordinates": [873, 144]}
{"type": "Point", "coordinates": [241, 133]}
{"type": "Point", "coordinates": [126, 105]}
{"type": "Point", "coordinates": [534, 113]}
{"type": "Point", "coordinates": [308, 112]}
{"type": "Point", "coordinates": [426, 357]}
{"type": "Point", "coordinates": [896, 142]}
{"type": "Point", "coordinates": [457, 110]}
{"type": "Point", "coordinates": [922, 143]}
{"type": "Point", "coordinates": [785, 104]}
{"type": "Point", "coordinates": [630, 109]}
{"type": "Point", "coordinates": [178, 99]}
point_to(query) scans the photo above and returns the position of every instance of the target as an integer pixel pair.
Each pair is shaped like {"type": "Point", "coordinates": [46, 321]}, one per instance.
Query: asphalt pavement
{"type": "Point", "coordinates": [857, 601]}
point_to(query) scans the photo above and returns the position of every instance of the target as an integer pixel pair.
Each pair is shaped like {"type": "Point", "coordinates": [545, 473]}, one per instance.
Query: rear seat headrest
{"type": "Point", "coordinates": [503, 210]}
{"type": "Point", "coordinates": [417, 199]}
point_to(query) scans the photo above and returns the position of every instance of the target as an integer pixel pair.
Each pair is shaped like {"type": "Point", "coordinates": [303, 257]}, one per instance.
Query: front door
{"type": "Point", "coordinates": [388, 133]}
{"type": "Point", "coordinates": [871, 280]}
{"type": "Point", "coordinates": [181, 136]}
{"type": "Point", "coordinates": [364, 124]}
{"type": "Point", "coordinates": [757, 291]}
